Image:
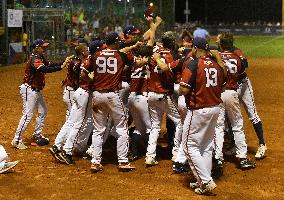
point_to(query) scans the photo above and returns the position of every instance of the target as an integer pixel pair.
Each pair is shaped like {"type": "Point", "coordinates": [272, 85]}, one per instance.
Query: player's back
{"type": "Point", "coordinates": [234, 68]}
{"type": "Point", "coordinates": [206, 77]}
{"type": "Point", "coordinates": [108, 67]}
{"type": "Point", "coordinates": [161, 82]}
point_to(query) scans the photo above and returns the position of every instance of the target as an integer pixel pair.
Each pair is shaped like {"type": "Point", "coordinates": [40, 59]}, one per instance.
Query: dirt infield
{"type": "Point", "coordinates": [38, 176]}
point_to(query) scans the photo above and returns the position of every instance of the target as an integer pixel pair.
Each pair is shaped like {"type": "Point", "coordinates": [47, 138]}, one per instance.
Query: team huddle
{"type": "Point", "coordinates": [134, 79]}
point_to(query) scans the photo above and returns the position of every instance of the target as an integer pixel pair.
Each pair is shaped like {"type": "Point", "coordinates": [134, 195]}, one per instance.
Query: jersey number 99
{"type": "Point", "coordinates": [106, 65]}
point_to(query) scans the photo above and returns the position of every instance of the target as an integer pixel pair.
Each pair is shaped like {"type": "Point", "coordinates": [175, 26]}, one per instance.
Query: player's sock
{"type": "Point", "coordinates": [135, 141]}
{"type": "Point", "coordinates": [259, 132]}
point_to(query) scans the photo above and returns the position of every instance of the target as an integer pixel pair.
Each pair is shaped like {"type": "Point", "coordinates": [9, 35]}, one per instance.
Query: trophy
{"type": "Point", "coordinates": [150, 11]}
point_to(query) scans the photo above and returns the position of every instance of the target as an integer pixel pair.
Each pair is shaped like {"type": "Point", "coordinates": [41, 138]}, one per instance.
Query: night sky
{"type": "Point", "coordinates": [230, 10]}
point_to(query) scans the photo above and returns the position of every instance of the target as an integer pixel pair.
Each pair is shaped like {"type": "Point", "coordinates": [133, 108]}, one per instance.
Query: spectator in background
{"type": "Point", "coordinates": [118, 28]}
{"type": "Point", "coordinates": [25, 44]}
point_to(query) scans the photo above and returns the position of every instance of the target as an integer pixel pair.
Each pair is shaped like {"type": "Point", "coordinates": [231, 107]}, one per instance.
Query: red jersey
{"type": "Point", "coordinates": [205, 78]}
{"type": "Point", "coordinates": [234, 69]}
{"type": "Point", "coordinates": [86, 66]}
{"type": "Point", "coordinates": [177, 66]}
{"type": "Point", "coordinates": [108, 67]}
{"type": "Point", "coordinates": [73, 73]}
{"type": "Point", "coordinates": [126, 74]}
{"type": "Point", "coordinates": [159, 81]}
{"type": "Point", "coordinates": [139, 81]}
{"type": "Point", "coordinates": [244, 62]}
{"type": "Point", "coordinates": [33, 76]}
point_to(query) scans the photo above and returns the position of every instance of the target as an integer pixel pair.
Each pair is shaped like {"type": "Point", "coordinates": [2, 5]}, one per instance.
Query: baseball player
{"type": "Point", "coordinates": [231, 108]}
{"type": "Point", "coordinates": [160, 100]}
{"type": "Point", "coordinates": [246, 97]}
{"type": "Point", "coordinates": [138, 100]}
{"type": "Point", "coordinates": [34, 82]}
{"type": "Point", "coordinates": [80, 114]}
{"type": "Point", "coordinates": [5, 165]}
{"type": "Point", "coordinates": [201, 84]}
{"type": "Point", "coordinates": [108, 65]}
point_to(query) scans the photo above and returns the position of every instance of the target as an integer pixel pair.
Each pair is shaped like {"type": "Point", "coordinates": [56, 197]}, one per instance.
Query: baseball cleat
{"type": "Point", "coordinates": [18, 144]}
{"type": "Point", "coordinates": [217, 171]}
{"type": "Point", "coordinates": [194, 185]}
{"type": "Point", "coordinates": [125, 167]}
{"type": "Point", "coordinates": [8, 166]}
{"type": "Point", "coordinates": [246, 164]}
{"type": "Point", "coordinates": [55, 153]}
{"type": "Point", "coordinates": [96, 168]}
{"type": "Point", "coordinates": [206, 189]}
{"type": "Point", "coordinates": [179, 168]}
{"type": "Point", "coordinates": [39, 141]}
{"type": "Point", "coordinates": [260, 151]}
{"type": "Point", "coordinates": [150, 161]}
{"type": "Point", "coordinates": [67, 158]}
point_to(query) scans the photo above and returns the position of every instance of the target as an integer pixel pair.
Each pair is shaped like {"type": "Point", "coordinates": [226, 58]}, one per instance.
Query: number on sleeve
{"type": "Point", "coordinates": [211, 77]}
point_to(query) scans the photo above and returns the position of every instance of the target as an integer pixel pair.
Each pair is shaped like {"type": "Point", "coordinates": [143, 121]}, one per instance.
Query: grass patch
{"type": "Point", "coordinates": [261, 46]}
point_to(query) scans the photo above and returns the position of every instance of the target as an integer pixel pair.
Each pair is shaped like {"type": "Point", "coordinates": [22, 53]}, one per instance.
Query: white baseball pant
{"type": "Point", "coordinates": [230, 107]}
{"type": "Point", "coordinates": [138, 107]}
{"type": "Point", "coordinates": [68, 98]}
{"type": "Point", "coordinates": [80, 119]}
{"type": "Point", "coordinates": [31, 100]}
{"type": "Point", "coordinates": [246, 97]}
{"type": "Point", "coordinates": [158, 104]}
{"type": "Point", "coordinates": [198, 136]}
{"type": "Point", "coordinates": [3, 156]}
{"type": "Point", "coordinates": [180, 101]}
{"type": "Point", "coordinates": [109, 104]}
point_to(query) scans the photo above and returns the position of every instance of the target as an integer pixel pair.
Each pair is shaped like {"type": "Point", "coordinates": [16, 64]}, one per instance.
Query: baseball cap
{"type": "Point", "coordinates": [130, 29]}
{"type": "Point", "coordinates": [39, 42]}
{"type": "Point", "coordinates": [200, 43]}
{"type": "Point", "coordinates": [111, 37]}
{"type": "Point", "coordinates": [95, 46]}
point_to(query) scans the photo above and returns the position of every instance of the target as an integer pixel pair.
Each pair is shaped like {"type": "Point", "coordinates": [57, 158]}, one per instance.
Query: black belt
{"type": "Point", "coordinates": [106, 91]}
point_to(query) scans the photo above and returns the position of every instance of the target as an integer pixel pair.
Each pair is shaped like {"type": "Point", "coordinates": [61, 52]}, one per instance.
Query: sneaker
{"type": "Point", "coordinates": [133, 158]}
{"type": "Point", "coordinates": [39, 141]}
{"type": "Point", "coordinates": [8, 166]}
{"type": "Point", "coordinates": [125, 167]}
{"type": "Point", "coordinates": [150, 161]}
{"type": "Point", "coordinates": [260, 151]}
{"type": "Point", "coordinates": [96, 168]}
{"type": "Point", "coordinates": [55, 153]}
{"type": "Point", "coordinates": [174, 158]}
{"type": "Point", "coordinates": [194, 185]}
{"type": "Point", "coordinates": [206, 188]}
{"type": "Point", "coordinates": [179, 168]}
{"type": "Point", "coordinates": [18, 144]}
{"type": "Point", "coordinates": [67, 158]}
{"type": "Point", "coordinates": [246, 164]}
